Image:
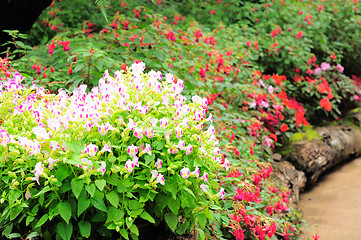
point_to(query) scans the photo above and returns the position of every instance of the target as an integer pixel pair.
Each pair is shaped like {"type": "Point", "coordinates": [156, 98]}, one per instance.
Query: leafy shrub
{"type": "Point", "coordinates": [255, 67]}
{"type": "Point", "coordinates": [93, 164]}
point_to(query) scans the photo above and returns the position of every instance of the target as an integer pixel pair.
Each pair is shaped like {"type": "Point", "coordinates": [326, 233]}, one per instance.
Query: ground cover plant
{"type": "Point", "coordinates": [261, 73]}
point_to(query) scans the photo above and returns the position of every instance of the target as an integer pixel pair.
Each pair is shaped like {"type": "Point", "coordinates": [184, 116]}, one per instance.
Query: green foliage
{"type": "Point", "coordinates": [254, 61]}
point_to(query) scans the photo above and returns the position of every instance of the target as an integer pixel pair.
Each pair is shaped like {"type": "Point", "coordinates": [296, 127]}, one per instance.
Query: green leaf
{"type": "Point", "coordinates": [83, 205]}
{"type": "Point", "coordinates": [85, 228]}
{"type": "Point", "coordinates": [44, 190]}
{"type": "Point", "coordinates": [172, 186]}
{"type": "Point", "coordinates": [14, 235]}
{"type": "Point", "coordinates": [159, 54]}
{"type": "Point", "coordinates": [90, 189]}
{"type": "Point", "coordinates": [74, 159]}
{"type": "Point", "coordinates": [75, 146]}
{"type": "Point", "coordinates": [100, 184]}
{"type": "Point", "coordinates": [42, 220]}
{"type": "Point", "coordinates": [62, 173]}
{"type": "Point", "coordinates": [8, 230]}
{"type": "Point", "coordinates": [146, 216]}
{"type": "Point", "coordinates": [98, 203]}
{"type": "Point", "coordinates": [134, 204]}
{"type": "Point", "coordinates": [78, 67]}
{"type": "Point", "coordinates": [158, 145]}
{"type": "Point", "coordinates": [134, 229]}
{"type": "Point", "coordinates": [124, 233]}
{"type": "Point", "coordinates": [65, 211]}
{"type": "Point", "coordinates": [76, 187]}
{"type": "Point", "coordinates": [149, 158]}
{"type": "Point", "coordinates": [174, 205]}
{"type": "Point", "coordinates": [171, 220]}
{"type": "Point", "coordinates": [115, 214]}
{"type": "Point", "coordinates": [32, 235]}
{"type": "Point", "coordinates": [14, 212]}
{"type": "Point", "coordinates": [29, 219]}
{"type": "Point", "coordinates": [113, 198]}
{"type": "Point", "coordinates": [201, 235]}
{"type": "Point", "coordinates": [65, 230]}
{"type": "Point", "coordinates": [202, 220]}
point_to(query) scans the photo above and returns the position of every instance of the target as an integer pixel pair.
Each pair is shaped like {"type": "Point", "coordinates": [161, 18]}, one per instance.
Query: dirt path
{"type": "Point", "coordinates": [334, 204]}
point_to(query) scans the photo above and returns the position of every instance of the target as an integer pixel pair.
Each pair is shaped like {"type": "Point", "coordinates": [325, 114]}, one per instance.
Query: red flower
{"type": "Point", "coordinates": [51, 47]}
{"type": "Point", "coordinates": [238, 233]}
{"type": "Point", "coordinates": [136, 13]}
{"type": "Point", "coordinates": [65, 45]}
{"type": "Point", "coordinates": [284, 127]}
{"type": "Point", "coordinates": [316, 237]}
{"type": "Point", "coordinates": [297, 78]}
{"type": "Point", "coordinates": [299, 35]}
{"type": "Point", "coordinates": [171, 36]}
{"type": "Point", "coordinates": [274, 136]}
{"type": "Point", "coordinates": [236, 151]}
{"type": "Point", "coordinates": [70, 71]}
{"type": "Point", "coordinates": [325, 103]}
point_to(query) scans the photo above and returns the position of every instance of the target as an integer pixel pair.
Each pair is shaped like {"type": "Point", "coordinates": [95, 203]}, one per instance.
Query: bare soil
{"type": "Point", "coordinates": [332, 208]}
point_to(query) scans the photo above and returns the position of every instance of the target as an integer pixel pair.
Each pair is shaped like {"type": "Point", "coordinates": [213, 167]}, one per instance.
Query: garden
{"type": "Point", "coordinates": [120, 118]}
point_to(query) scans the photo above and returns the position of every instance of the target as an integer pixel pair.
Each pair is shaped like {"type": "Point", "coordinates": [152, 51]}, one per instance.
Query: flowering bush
{"type": "Point", "coordinates": [263, 77]}
{"type": "Point", "coordinates": [93, 164]}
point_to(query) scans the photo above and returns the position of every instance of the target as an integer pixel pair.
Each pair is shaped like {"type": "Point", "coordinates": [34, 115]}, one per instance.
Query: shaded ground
{"type": "Point", "coordinates": [334, 204]}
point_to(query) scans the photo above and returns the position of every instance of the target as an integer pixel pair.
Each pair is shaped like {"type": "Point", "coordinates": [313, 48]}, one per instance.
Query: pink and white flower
{"type": "Point", "coordinates": [38, 171]}
{"type": "Point", "coordinates": [106, 148]}
{"type": "Point", "coordinates": [102, 168]}
{"type": "Point", "coordinates": [196, 172]}
{"type": "Point", "coordinates": [221, 193]}
{"type": "Point", "coordinates": [129, 165]}
{"type": "Point", "coordinates": [174, 149]}
{"type": "Point", "coordinates": [103, 129]}
{"type": "Point", "coordinates": [160, 179]}
{"type": "Point", "coordinates": [54, 145]}
{"type": "Point", "coordinates": [178, 132]}
{"type": "Point", "coordinates": [51, 162]}
{"type": "Point", "coordinates": [169, 78]}
{"type": "Point", "coordinates": [41, 133]}
{"type": "Point", "coordinates": [165, 100]}
{"type": "Point", "coordinates": [178, 87]}
{"type": "Point", "coordinates": [136, 161]}
{"type": "Point", "coordinates": [34, 147]}
{"type": "Point", "coordinates": [138, 132]}
{"type": "Point", "coordinates": [131, 124]}
{"type": "Point", "coordinates": [167, 134]}
{"type": "Point", "coordinates": [148, 149]}
{"type": "Point", "coordinates": [163, 122]}
{"type": "Point", "coordinates": [149, 132]}
{"type": "Point", "coordinates": [204, 187]}
{"type": "Point", "coordinates": [189, 149]}
{"type": "Point", "coordinates": [216, 151]}
{"type": "Point", "coordinates": [210, 118]}
{"type": "Point", "coordinates": [91, 149]}
{"type": "Point", "coordinates": [205, 177]}
{"type": "Point", "coordinates": [185, 172]}
{"type": "Point", "coordinates": [211, 130]}
{"type": "Point", "coordinates": [226, 164]}
{"type": "Point", "coordinates": [154, 173]}
{"type": "Point", "coordinates": [132, 150]}
{"type": "Point", "coordinates": [4, 137]}
{"type": "Point", "coordinates": [154, 121]}
{"type": "Point", "coordinates": [181, 145]}
{"type": "Point", "coordinates": [159, 164]}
